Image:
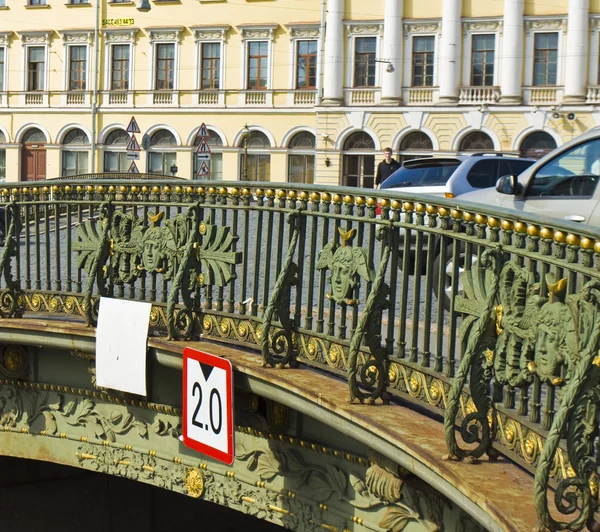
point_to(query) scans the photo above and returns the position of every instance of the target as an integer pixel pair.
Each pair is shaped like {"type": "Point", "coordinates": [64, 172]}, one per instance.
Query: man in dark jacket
{"type": "Point", "coordinates": [386, 167]}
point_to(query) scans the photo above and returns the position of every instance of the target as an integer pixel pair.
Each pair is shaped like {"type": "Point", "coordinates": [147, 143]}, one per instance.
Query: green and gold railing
{"type": "Point", "coordinates": [485, 316]}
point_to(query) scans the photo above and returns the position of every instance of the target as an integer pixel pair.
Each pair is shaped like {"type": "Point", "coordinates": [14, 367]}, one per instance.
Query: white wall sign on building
{"type": "Point", "coordinates": [121, 338]}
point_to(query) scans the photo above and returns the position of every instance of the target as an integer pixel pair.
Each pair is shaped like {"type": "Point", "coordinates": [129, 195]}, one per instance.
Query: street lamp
{"type": "Point", "coordinates": [245, 135]}
{"type": "Point", "coordinates": [174, 169]}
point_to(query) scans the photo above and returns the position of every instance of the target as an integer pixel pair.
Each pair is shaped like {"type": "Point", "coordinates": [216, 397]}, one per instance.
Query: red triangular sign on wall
{"type": "Point", "coordinates": [203, 147]}
{"type": "Point", "coordinates": [133, 126]}
{"type": "Point", "coordinates": [133, 169]}
{"type": "Point", "coordinates": [204, 170]}
{"type": "Point", "coordinates": [133, 144]}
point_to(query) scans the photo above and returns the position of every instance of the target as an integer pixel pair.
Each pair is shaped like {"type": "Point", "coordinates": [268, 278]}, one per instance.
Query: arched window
{"type": "Point", "coordinates": [359, 161]}
{"type": "Point", "coordinates": [414, 145]}
{"type": "Point", "coordinates": [256, 159]}
{"type": "Point", "coordinates": [2, 157]}
{"type": "Point", "coordinates": [301, 158]}
{"type": "Point", "coordinates": [476, 141]}
{"type": "Point", "coordinates": [34, 135]}
{"type": "Point", "coordinates": [75, 153]}
{"type": "Point", "coordinates": [160, 155]}
{"type": "Point", "coordinates": [215, 143]}
{"type": "Point", "coordinates": [537, 144]}
{"type": "Point", "coordinates": [115, 158]}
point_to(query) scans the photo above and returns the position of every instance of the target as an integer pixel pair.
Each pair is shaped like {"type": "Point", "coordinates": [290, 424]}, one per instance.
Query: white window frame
{"type": "Point", "coordinates": [301, 32]}
{"type": "Point", "coordinates": [35, 39]}
{"type": "Point", "coordinates": [356, 30]}
{"type": "Point", "coordinates": [76, 38]}
{"type": "Point", "coordinates": [422, 29]}
{"type": "Point", "coordinates": [112, 38]}
{"type": "Point", "coordinates": [164, 36]}
{"type": "Point", "coordinates": [4, 44]}
{"type": "Point", "coordinates": [210, 35]}
{"type": "Point", "coordinates": [535, 25]}
{"type": "Point", "coordinates": [257, 33]}
{"type": "Point", "coordinates": [471, 29]}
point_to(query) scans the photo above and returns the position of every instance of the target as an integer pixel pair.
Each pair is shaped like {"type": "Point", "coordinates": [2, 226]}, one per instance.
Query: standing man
{"type": "Point", "coordinates": [386, 167]}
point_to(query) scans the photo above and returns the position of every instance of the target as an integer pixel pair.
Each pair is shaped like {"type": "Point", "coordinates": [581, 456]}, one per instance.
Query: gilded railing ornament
{"type": "Point", "coordinates": [278, 348]}
{"type": "Point", "coordinates": [479, 331]}
{"type": "Point", "coordinates": [577, 419]}
{"type": "Point", "coordinates": [345, 264]}
{"type": "Point", "coordinates": [373, 370]}
{"type": "Point", "coordinates": [8, 296]}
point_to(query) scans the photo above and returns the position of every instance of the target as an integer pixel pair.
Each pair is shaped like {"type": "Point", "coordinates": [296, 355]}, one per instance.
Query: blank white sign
{"type": "Point", "coordinates": [121, 338]}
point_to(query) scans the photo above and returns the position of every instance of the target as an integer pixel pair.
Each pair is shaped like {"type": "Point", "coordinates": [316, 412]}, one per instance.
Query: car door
{"type": "Point", "coordinates": [565, 187]}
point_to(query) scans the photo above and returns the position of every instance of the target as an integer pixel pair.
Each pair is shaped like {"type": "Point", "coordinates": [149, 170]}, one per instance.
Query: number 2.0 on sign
{"type": "Point", "coordinates": [208, 404]}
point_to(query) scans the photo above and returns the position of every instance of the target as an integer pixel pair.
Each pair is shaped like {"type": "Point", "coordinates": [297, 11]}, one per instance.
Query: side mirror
{"type": "Point", "coordinates": [508, 184]}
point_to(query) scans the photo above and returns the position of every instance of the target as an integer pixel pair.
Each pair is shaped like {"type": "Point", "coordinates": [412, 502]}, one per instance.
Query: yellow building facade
{"type": "Point", "coordinates": [289, 90]}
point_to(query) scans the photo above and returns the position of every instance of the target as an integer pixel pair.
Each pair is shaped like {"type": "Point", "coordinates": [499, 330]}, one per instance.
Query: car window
{"type": "Point", "coordinates": [422, 173]}
{"type": "Point", "coordinates": [572, 173]}
{"type": "Point", "coordinates": [483, 173]}
{"type": "Point", "coordinates": [516, 166]}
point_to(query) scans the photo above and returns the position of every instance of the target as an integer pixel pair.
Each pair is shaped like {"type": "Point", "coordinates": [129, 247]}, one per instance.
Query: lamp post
{"type": "Point", "coordinates": [174, 169]}
{"type": "Point", "coordinates": [245, 135]}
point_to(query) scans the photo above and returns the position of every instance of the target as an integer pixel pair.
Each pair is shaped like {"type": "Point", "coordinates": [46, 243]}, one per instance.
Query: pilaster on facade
{"type": "Point", "coordinates": [577, 52]}
{"type": "Point", "coordinates": [511, 66]}
{"type": "Point", "coordinates": [333, 72]}
{"type": "Point", "coordinates": [450, 51]}
{"type": "Point", "coordinates": [391, 81]}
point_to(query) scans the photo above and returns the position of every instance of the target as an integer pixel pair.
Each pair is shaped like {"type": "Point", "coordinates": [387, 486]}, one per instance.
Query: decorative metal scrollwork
{"type": "Point", "coordinates": [577, 419]}
{"type": "Point", "coordinates": [8, 296]}
{"type": "Point", "coordinates": [278, 348]}
{"type": "Point", "coordinates": [475, 365]}
{"type": "Point", "coordinates": [372, 374]}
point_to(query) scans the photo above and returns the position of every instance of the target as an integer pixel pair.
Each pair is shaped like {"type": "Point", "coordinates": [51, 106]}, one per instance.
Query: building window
{"type": "Point", "coordinates": [119, 68]}
{"type": "Point", "coordinates": [537, 144]}
{"type": "Point", "coordinates": [364, 61]}
{"type": "Point", "coordinates": [37, 2]}
{"type": "Point", "coordinates": [258, 53]}
{"type": "Point", "coordinates": [164, 69]}
{"type": "Point", "coordinates": [306, 68]}
{"type": "Point", "coordinates": [422, 73]}
{"type": "Point", "coordinates": [545, 59]}
{"type": "Point", "coordinates": [359, 161]}
{"type": "Point", "coordinates": [115, 157]}
{"type": "Point", "coordinates": [301, 159]}
{"type": "Point", "coordinates": [484, 48]}
{"type": "Point", "coordinates": [36, 60]}
{"type": "Point", "coordinates": [78, 2]}
{"type": "Point", "coordinates": [77, 67]}
{"type": "Point", "coordinates": [2, 157]}
{"type": "Point", "coordinates": [2, 64]}
{"type": "Point", "coordinates": [257, 166]}
{"type": "Point", "coordinates": [216, 157]}
{"type": "Point", "coordinates": [161, 156]}
{"type": "Point", "coordinates": [476, 141]}
{"type": "Point", "coordinates": [211, 65]}
{"type": "Point", "coordinates": [415, 145]}
{"type": "Point", "coordinates": [75, 153]}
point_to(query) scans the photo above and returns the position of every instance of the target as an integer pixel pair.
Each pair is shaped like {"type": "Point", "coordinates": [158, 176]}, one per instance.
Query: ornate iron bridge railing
{"type": "Point", "coordinates": [489, 318]}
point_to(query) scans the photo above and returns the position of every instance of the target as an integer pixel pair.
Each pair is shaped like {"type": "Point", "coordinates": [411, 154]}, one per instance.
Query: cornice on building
{"type": "Point", "coordinates": [35, 36]}
{"type": "Point", "coordinates": [263, 30]}
{"type": "Point", "coordinates": [210, 31]}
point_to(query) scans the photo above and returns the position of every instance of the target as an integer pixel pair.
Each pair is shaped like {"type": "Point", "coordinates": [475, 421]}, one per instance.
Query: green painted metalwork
{"type": "Point", "coordinates": [449, 306]}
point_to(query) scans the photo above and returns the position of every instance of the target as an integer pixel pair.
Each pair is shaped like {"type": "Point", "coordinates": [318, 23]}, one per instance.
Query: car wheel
{"type": "Point", "coordinates": [444, 291]}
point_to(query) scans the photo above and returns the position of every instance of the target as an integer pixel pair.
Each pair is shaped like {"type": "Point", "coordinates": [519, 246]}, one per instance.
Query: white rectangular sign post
{"type": "Point", "coordinates": [121, 338]}
{"type": "Point", "coordinates": [208, 404]}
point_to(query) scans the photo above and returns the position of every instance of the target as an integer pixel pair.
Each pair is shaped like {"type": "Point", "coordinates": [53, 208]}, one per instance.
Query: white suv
{"type": "Point", "coordinates": [563, 184]}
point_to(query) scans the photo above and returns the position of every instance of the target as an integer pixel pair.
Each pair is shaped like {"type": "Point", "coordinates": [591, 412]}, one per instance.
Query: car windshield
{"type": "Point", "coordinates": [419, 173]}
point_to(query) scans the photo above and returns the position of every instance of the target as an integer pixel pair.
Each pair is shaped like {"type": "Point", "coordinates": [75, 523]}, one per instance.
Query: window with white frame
{"type": "Point", "coordinates": [115, 156]}
{"type": "Point", "coordinates": [75, 150]}
{"type": "Point", "coordinates": [36, 68]}
{"type": "Point", "coordinates": [365, 50]}
{"type": "Point", "coordinates": [256, 159]}
{"type": "Point", "coordinates": [306, 64]}
{"type": "Point", "coordinates": [483, 50]}
{"type": "Point", "coordinates": [119, 67]}
{"type": "Point", "coordinates": [161, 155]}
{"type": "Point", "coordinates": [2, 157]}
{"type": "Point", "coordinates": [2, 67]}
{"type": "Point", "coordinates": [165, 51]}
{"type": "Point", "coordinates": [545, 58]}
{"type": "Point", "coordinates": [422, 60]}
{"type": "Point", "coordinates": [257, 41]}
{"type": "Point", "coordinates": [210, 65]}
{"type": "Point", "coordinates": [77, 67]}
{"type": "Point", "coordinates": [301, 158]}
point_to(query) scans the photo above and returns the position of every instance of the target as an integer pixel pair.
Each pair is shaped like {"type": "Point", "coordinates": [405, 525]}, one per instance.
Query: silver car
{"type": "Point", "coordinates": [563, 184]}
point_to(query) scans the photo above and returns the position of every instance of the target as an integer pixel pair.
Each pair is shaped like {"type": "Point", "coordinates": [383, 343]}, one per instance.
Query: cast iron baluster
{"type": "Point", "coordinates": [268, 248]}
{"type": "Point", "coordinates": [431, 243]}
{"type": "Point", "coordinates": [165, 283]}
{"type": "Point", "coordinates": [301, 252]}
{"type": "Point", "coordinates": [8, 296]}
{"type": "Point", "coordinates": [246, 204]}
{"type": "Point", "coordinates": [260, 200]}
{"type": "Point", "coordinates": [221, 290]}
{"type": "Point", "coordinates": [78, 285]}
{"type": "Point", "coordinates": [234, 224]}
{"type": "Point", "coordinates": [325, 237]}
{"type": "Point", "coordinates": [27, 210]}
{"type": "Point", "coordinates": [314, 227]}
{"type": "Point", "coordinates": [57, 283]}
{"type": "Point", "coordinates": [69, 240]}
{"type": "Point", "coordinates": [372, 373]}
{"type": "Point", "coordinates": [38, 259]}
{"type": "Point", "coordinates": [281, 230]}
{"type": "Point", "coordinates": [337, 209]}
{"type": "Point", "coordinates": [414, 347]}
{"type": "Point", "coordinates": [406, 252]}
{"type": "Point", "coordinates": [280, 301]}
{"type": "Point", "coordinates": [47, 246]}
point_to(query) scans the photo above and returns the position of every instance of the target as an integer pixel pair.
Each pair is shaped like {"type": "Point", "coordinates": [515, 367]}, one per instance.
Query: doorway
{"type": "Point", "coordinates": [33, 156]}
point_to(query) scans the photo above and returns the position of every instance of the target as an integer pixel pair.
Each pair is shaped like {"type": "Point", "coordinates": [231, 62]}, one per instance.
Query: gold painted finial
{"type": "Point", "coordinates": [346, 236]}
{"type": "Point", "coordinates": [555, 289]}
{"type": "Point", "coordinates": [155, 218]}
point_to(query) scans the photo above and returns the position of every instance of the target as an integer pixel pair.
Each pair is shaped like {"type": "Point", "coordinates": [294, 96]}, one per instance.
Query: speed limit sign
{"type": "Point", "coordinates": [208, 404]}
